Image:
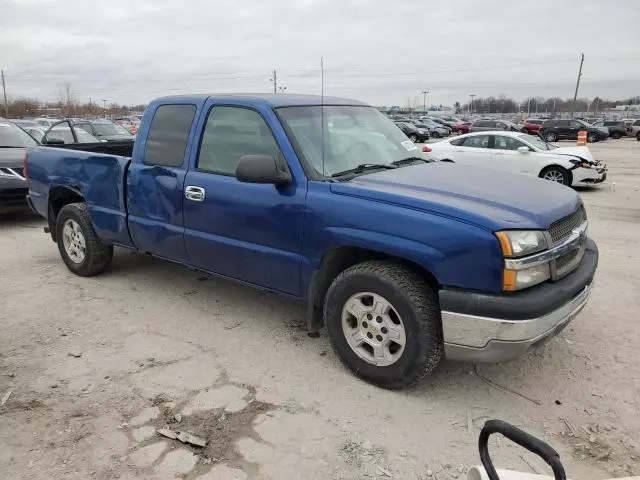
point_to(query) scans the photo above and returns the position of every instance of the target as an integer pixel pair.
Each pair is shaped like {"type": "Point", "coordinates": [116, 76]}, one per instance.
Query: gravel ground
{"type": "Point", "coordinates": [95, 366]}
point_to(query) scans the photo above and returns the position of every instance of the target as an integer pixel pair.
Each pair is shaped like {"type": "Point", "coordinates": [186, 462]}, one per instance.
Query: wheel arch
{"type": "Point", "coordinates": [557, 165]}
{"type": "Point", "coordinates": [337, 260]}
{"type": "Point", "coordinates": [60, 196]}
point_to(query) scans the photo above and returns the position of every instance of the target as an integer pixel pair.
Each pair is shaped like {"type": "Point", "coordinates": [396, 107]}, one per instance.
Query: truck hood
{"type": "Point", "coordinates": [582, 152]}
{"type": "Point", "coordinates": [491, 199]}
{"type": "Point", "coordinates": [12, 157]}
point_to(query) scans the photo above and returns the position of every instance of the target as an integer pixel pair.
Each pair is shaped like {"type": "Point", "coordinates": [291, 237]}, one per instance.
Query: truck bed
{"type": "Point", "coordinates": [99, 178]}
{"type": "Point", "coordinates": [124, 149]}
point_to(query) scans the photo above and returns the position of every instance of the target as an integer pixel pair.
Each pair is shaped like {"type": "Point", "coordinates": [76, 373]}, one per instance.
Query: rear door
{"type": "Point", "coordinates": [250, 232]}
{"type": "Point", "coordinates": [156, 180]}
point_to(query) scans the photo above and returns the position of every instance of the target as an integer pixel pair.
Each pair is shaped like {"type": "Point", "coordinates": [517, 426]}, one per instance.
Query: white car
{"type": "Point", "coordinates": [525, 154]}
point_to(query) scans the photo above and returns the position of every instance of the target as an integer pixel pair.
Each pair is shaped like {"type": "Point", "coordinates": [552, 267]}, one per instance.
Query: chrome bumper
{"type": "Point", "coordinates": [481, 339]}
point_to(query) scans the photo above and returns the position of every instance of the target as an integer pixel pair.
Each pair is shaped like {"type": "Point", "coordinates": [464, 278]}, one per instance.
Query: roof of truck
{"type": "Point", "coordinates": [271, 99]}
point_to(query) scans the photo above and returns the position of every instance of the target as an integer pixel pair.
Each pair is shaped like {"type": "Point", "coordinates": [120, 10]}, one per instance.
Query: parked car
{"type": "Point", "coordinates": [105, 130]}
{"type": "Point", "coordinates": [524, 154]}
{"type": "Point", "coordinates": [532, 125]}
{"type": "Point", "coordinates": [617, 129]}
{"type": "Point", "coordinates": [444, 123]}
{"type": "Point", "coordinates": [404, 261]}
{"type": "Point", "coordinates": [414, 133]}
{"type": "Point", "coordinates": [22, 123]}
{"type": "Point", "coordinates": [14, 142]}
{"type": "Point", "coordinates": [36, 132]}
{"type": "Point", "coordinates": [462, 127]}
{"type": "Point", "coordinates": [46, 122]}
{"type": "Point", "coordinates": [492, 125]}
{"type": "Point", "coordinates": [635, 127]}
{"type": "Point", "coordinates": [554, 130]}
{"type": "Point", "coordinates": [435, 129]}
{"type": "Point", "coordinates": [63, 134]}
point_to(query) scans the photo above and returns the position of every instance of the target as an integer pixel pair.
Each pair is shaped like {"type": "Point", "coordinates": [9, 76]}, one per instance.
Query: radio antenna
{"type": "Point", "coordinates": [322, 111]}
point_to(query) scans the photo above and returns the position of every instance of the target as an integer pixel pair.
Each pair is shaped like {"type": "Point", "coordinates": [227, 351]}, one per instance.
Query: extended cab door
{"type": "Point", "coordinates": [250, 232]}
{"type": "Point", "coordinates": [156, 180]}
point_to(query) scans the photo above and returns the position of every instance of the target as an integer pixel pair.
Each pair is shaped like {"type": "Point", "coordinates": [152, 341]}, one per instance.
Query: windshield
{"type": "Point", "coordinates": [65, 134]}
{"type": "Point", "coordinates": [583, 123]}
{"type": "Point", "coordinates": [353, 135]}
{"type": "Point", "coordinates": [537, 142]}
{"type": "Point", "coordinates": [104, 129]}
{"type": "Point", "coordinates": [12, 136]}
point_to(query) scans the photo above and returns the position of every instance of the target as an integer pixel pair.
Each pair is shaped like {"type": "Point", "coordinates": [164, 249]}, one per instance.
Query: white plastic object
{"type": "Point", "coordinates": [478, 473]}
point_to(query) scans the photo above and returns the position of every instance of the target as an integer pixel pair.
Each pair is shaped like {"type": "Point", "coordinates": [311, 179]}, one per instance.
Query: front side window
{"type": "Point", "coordinates": [477, 141]}
{"type": "Point", "coordinates": [230, 134]}
{"type": "Point", "coordinates": [507, 143]}
{"type": "Point", "coordinates": [168, 135]}
{"type": "Point", "coordinates": [537, 142]}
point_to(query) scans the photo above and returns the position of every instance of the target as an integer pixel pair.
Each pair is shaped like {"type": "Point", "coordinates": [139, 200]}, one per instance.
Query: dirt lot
{"type": "Point", "coordinates": [94, 366]}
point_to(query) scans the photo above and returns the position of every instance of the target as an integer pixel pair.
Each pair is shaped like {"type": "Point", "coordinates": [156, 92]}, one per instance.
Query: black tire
{"type": "Point", "coordinates": [459, 132]}
{"type": "Point", "coordinates": [415, 302]}
{"type": "Point", "coordinates": [413, 138]}
{"type": "Point", "coordinates": [566, 178]}
{"type": "Point", "coordinates": [592, 138]}
{"type": "Point", "coordinates": [551, 136]}
{"type": "Point", "coordinates": [98, 256]}
{"type": "Point", "coordinates": [435, 135]}
{"type": "Point", "coordinates": [448, 160]}
{"type": "Point", "coordinates": [616, 135]}
{"type": "Point", "coordinates": [638, 136]}
{"type": "Point", "coordinates": [524, 130]}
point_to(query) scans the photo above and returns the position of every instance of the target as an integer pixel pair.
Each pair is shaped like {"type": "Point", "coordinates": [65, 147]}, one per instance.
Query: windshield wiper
{"type": "Point", "coordinates": [363, 167]}
{"type": "Point", "coordinates": [408, 160]}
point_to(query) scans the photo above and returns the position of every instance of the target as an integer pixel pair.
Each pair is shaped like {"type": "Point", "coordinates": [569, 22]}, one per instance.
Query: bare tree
{"type": "Point", "coordinates": [67, 99]}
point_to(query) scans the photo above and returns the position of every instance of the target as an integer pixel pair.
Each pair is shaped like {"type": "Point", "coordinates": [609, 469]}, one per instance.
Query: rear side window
{"type": "Point", "coordinates": [477, 141]}
{"type": "Point", "coordinates": [168, 135]}
{"type": "Point", "coordinates": [481, 123]}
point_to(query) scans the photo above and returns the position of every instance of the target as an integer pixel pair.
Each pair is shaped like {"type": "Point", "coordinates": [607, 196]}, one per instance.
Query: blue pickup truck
{"type": "Point", "coordinates": [405, 260]}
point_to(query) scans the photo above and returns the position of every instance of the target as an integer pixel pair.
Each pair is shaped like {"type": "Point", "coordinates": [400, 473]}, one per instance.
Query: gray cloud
{"type": "Point", "coordinates": [375, 50]}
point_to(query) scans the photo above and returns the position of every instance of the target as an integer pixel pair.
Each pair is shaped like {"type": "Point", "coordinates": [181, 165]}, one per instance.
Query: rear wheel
{"type": "Point", "coordinates": [80, 248]}
{"type": "Point", "coordinates": [384, 323]}
{"type": "Point", "coordinates": [556, 174]}
{"type": "Point", "coordinates": [616, 135]}
{"type": "Point", "coordinates": [459, 132]}
{"type": "Point", "coordinates": [592, 138]}
{"type": "Point", "coordinates": [551, 137]}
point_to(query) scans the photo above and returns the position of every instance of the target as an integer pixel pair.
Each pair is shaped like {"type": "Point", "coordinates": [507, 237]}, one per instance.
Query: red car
{"type": "Point", "coordinates": [461, 127]}
{"type": "Point", "coordinates": [532, 125]}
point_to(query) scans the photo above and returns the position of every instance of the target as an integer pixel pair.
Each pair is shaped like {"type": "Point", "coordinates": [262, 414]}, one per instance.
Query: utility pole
{"type": "Point", "coordinates": [471, 106]}
{"type": "Point", "coordinates": [4, 93]}
{"type": "Point", "coordinates": [575, 95]}
{"type": "Point", "coordinates": [274, 80]}
{"type": "Point", "coordinates": [529, 107]}
{"type": "Point", "coordinates": [424, 100]}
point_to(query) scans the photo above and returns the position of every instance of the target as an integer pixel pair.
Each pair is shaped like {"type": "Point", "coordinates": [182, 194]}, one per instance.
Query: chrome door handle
{"type": "Point", "coordinates": [194, 193]}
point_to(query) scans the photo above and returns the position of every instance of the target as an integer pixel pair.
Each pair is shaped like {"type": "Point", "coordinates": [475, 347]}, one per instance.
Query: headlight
{"type": "Point", "coordinates": [516, 243]}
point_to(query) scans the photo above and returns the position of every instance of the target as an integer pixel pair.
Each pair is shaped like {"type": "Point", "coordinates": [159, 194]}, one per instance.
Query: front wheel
{"type": "Point", "coordinates": [551, 137]}
{"type": "Point", "coordinates": [555, 174]}
{"type": "Point", "coordinates": [80, 248]}
{"type": "Point", "coordinates": [616, 135]}
{"type": "Point", "coordinates": [459, 132]}
{"type": "Point", "coordinates": [413, 138]}
{"type": "Point", "coordinates": [384, 323]}
{"type": "Point", "coordinates": [435, 134]}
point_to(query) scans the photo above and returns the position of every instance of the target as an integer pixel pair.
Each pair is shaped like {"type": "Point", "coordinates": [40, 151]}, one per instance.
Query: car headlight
{"type": "Point", "coordinates": [520, 243]}
{"type": "Point", "coordinates": [517, 243]}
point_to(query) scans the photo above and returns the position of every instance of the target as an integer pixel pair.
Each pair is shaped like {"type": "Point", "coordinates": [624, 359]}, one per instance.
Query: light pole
{"type": "Point", "coordinates": [424, 100]}
{"type": "Point", "coordinates": [471, 106]}
{"type": "Point", "coordinates": [104, 104]}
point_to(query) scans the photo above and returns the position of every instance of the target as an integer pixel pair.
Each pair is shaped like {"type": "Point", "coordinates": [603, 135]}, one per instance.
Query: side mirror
{"type": "Point", "coordinates": [52, 141]}
{"type": "Point", "coordinates": [523, 149]}
{"type": "Point", "coordinates": [263, 169]}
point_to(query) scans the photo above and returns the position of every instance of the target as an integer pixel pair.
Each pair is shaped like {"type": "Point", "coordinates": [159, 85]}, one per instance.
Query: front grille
{"type": "Point", "coordinates": [568, 262]}
{"type": "Point", "coordinates": [561, 229]}
{"type": "Point", "coordinates": [17, 172]}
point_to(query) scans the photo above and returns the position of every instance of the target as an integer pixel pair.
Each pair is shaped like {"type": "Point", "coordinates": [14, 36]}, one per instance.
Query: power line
{"type": "Point", "coordinates": [4, 93]}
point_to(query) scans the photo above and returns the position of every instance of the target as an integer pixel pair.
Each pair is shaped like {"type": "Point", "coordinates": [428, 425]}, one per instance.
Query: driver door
{"type": "Point", "coordinates": [507, 158]}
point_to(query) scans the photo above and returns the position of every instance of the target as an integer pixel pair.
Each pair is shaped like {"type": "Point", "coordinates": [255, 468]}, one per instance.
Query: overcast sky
{"type": "Point", "coordinates": [380, 51]}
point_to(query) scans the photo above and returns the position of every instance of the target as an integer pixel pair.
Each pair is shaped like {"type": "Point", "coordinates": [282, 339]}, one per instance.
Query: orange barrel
{"type": "Point", "coordinates": [582, 137]}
